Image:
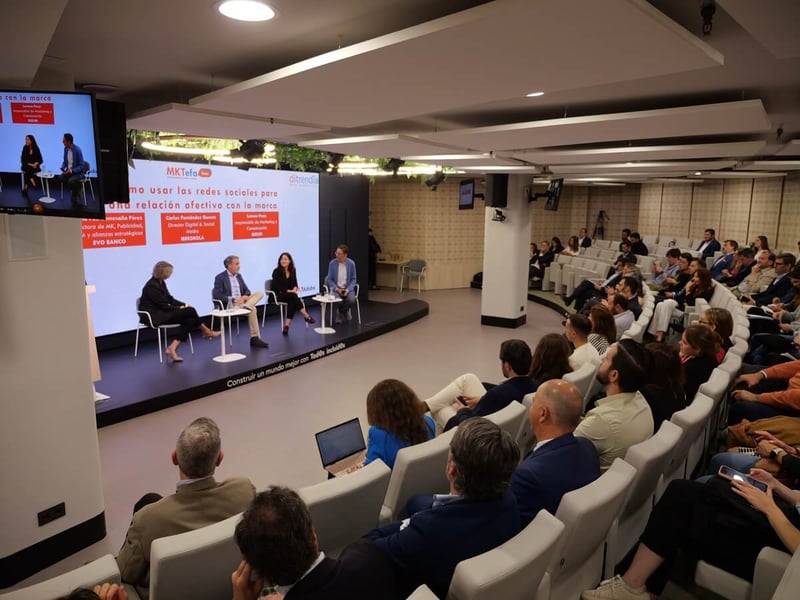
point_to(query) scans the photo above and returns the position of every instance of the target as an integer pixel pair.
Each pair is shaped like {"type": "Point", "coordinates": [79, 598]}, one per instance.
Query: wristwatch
{"type": "Point", "coordinates": [776, 452]}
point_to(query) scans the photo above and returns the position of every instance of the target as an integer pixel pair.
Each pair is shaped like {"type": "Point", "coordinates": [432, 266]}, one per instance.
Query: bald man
{"type": "Point", "coordinates": [560, 462]}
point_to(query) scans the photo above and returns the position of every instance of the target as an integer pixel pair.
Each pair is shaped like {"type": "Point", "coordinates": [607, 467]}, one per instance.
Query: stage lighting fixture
{"type": "Point", "coordinates": [249, 149]}
{"type": "Point", "coordinates": [434, 180]}
{"type": "Point", "coordinates": [333, 161]}
{"type": "Point", "coordinates": [393, 165]}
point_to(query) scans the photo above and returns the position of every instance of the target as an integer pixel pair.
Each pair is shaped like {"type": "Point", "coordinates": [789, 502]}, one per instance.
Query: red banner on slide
{"type": "Point", "coordinates": [118, 230]}
{"type": "Point", "coordinates": [32, 113]}
{"type": "Point", "coordinates": [253, 225]}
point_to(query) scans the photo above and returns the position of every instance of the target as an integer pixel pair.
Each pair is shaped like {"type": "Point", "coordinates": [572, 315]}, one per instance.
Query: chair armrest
{"type": "Point", "coordinates": [270, 294]}
{"type": "Point", "coordinates": [149, 318]}
{"type": "Point", "coordinates": [218, 304]}
{"type": "Point", "coordinates": [770, 566]}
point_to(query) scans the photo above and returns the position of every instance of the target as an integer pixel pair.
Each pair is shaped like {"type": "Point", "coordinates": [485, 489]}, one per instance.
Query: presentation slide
{"type": "Point", "coordinates": [193, 216]}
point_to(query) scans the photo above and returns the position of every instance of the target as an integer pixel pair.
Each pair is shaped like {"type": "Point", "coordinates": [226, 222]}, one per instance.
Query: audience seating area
{"type": "Point", "coordinates": [555, 556]}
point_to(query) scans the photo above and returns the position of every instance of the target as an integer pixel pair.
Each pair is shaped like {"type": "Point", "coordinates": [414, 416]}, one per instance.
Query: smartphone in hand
{"type": "Point", "coordinates": [734, 475]}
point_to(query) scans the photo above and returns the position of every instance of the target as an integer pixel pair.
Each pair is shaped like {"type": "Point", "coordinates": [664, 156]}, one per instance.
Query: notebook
{"type": "Point", "coordinates": [341, 446]}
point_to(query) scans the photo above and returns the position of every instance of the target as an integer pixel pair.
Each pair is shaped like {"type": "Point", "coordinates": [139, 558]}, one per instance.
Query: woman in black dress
{"type": "Point", "coordinates": [164, 309]}
{"type": "Point", "coordinates": [284, 284]}
{"type": "Point", "coordinates": [31, 161]}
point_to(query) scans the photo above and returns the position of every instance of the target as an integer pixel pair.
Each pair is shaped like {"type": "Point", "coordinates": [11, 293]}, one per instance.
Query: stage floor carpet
{"type": "Point", "coordinates": [141, 385]}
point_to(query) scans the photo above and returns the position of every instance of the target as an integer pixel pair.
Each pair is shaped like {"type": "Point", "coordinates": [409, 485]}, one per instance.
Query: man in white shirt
{"type": "Point", "coordinates": [577, 329]}
{"type": "Point", "coordinates": [623, 418]}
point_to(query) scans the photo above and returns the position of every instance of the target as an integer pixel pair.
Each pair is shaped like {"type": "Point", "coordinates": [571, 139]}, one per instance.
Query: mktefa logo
{"type": "Point", "coordinates": [188, 172]}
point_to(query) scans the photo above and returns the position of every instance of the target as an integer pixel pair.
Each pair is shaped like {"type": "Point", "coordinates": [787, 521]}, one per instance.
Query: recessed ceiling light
{"type": "Point", "coordinates": [534, 94]}
{"type": "Point", "coordinates": [246, 10]}
{"type": "Point", "coordinates": [698, 172]}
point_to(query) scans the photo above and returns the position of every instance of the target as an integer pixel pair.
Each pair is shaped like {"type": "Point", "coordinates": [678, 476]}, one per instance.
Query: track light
{"type": "Point", "coordinates": [249, 150]}
{"type": "Point", "coordinates": [393, 165]}
{"type": "Point", "coordinates": [434, 180]}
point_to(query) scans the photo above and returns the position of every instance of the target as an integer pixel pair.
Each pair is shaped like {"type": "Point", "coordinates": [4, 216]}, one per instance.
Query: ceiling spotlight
{"type": "Point", "coordinates": [393, 165]}
{"type": "Point", "coordinates": [331, 162]}
{"type": "Point", "coordinates": [434, 180]}
{"type": "Point", "coordinates": [249, 150]}
{"type": "Point", "coordinates": [534, 94]}
{"type": "Point", "coordinates": [707, 11]}
{"type": "Point", "coordinates": [246, 10]}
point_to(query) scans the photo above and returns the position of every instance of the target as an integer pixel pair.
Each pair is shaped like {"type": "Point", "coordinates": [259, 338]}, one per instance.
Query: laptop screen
{"type": "Point", "coordinates": [340, 441]}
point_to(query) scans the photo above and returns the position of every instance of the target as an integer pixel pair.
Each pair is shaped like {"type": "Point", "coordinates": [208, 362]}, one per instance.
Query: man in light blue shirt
{"type": "Point", "coordinates": [341, 280]}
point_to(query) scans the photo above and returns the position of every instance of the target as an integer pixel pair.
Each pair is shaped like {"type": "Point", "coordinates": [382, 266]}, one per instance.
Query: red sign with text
{"type": "Point", "coordinates": [117, 231]}
{"type": "Point", "coordinates": [190, 228]}
{"type": "Point", "coordinates": [32, 113]}
{"type": "Point", "coordinates": [252, 225]}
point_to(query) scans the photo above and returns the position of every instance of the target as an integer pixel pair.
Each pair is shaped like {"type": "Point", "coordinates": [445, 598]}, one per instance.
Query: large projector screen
{"type": "Point", "coordinates": [193, 216]}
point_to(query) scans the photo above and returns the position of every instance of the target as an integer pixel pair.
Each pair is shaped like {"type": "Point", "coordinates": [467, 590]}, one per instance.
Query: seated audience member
{"type": "Point", "coordinates": [767, 454]}
{"type": "Point", "coordinates": [587, 289]}
{"type": "Point", "coordinates": [780, 288]}
{"type": "Point", "coordinates": [742, 267]}
{"type": "Point", "coordinates": [709, 245]}
{"type": "Point", "coordinates": [550, 359]}
{"type": "Point", "coordinates": [396, 420]}
{"type": "Point", "coordinates": [198, 501]}
{"type": "Point", "coordinates": [583, 239]}
{"type": "Point", "coordinates": [637, 245]}
{"type": "Point", "coordinates": [543, 260]}
{"type": "Point", "coordinates": [604, 330]}
{"type": "Point", "coordinates": [699, 287]}
{"type": "Point", "coordinates": [774, 348]}
{"type": "Point", "coordinates": [772, 391]}
{"type": "Point", "coordinates": [623, 317]}
{"type": "Point", "coordinates": [560, 462]}
{"type": "Point", "coordinates": [279, 545]}
{"type": "Point", "coordinates": [699, 347]}
{"type": "Point", "coordinates": [477, 515]}
{"type": "Point", "coordinates": [761, 275]}
{"type": "Point", "coordinates": [760, 245]}
{"type": "Point", "coordinates": [624, 238]}
{"type": "Point", "coordinates": [673, 284]}
{"type": "Point", "coordinates": [230, 284]}
{"type": "Point", "coordinates": [533, 261]}
{"type": "Point", "coordinates": [660, 274]}
{"type": "Point", "coordinates": [629, 287]}
{"type": "Point", "coordinates": [577, 329]}
{"type": "Point", "coordinates": [664, 388]}
{"type": "Point", "coordinates": [165, 309]}
{"type": "Point", "coordinates": [556, 247]}
{"type": "Point", "coordinates": [626, 255]}
{"type": "Point", "coordinates": [466, 396]}
{"type": "Point", "coordinates": [782, 317]}
{"type": "Point", "coordinates": [573, 247]}
{"type": "Point", "coordinates": [721, 321]}
{"type": "Point", "coordinates": [718, 522]}
{"type": "Point", "coordinates": [724, 262]}
{"type": "Point", "coordinates": [623, 418]}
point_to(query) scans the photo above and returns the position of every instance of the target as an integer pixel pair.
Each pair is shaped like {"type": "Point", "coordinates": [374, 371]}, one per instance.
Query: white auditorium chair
{"type": "Point", "coordinates": [510, 418]}
{"type": "Point", "coordinates": [515, 569]}
{"type": "Point", "coordinates": [525, 439]}
{"type": "Point", "coordinates": [423, 592]}
{"type": "Point", "coordinates": [649, 457]}
{"type": "Point", "coordinates": [418, 469]}
{"type": "Point", "coordinates": [583, 377]}
{"type": "Point", "coordinates": [345, 508]}
{"type": "Point", "coordinates": [102, 570]}
{"type": "Point", "coordinates": [196, 564]}
{"type": "Point", "coordinates": [692, 420]}
{"type": "Point", "coordinates": [771, 568]}
{"type": "Point", "coordinates": [588, 514]}
{"type": "Point", "coordinates": [789, 584]}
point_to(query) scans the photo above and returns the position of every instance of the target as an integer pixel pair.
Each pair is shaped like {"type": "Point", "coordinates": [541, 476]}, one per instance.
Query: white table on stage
{"type": "Point", "coordinates": [222, 315]}
{"type": "Point", "coordinates": [324, 301]}
{"type": "Point", "coordinates": [46, 176]}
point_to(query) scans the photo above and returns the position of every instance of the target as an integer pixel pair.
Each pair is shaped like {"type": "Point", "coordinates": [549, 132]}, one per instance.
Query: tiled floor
{"type": "Point", "coordinates": [268, 427]}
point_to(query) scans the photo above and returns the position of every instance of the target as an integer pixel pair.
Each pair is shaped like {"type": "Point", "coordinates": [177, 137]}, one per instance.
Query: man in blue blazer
{"type": "Point", "coordinates": [584, 241]}
{"type": "Point", "coordinates": [560, 462]}
{"type": "Point", "coordinates": [709, 245]}
{"type": "Point", "coordinates": [72, 167]}
{"type": "Point", "coordinates": [341, 280]}
{"type": "Point", "coordinates": [780, 287]}
{"type": "Point", "coordinates": [230, 285]}
{"type": "Point", "coordinates": [724, 262]}
{"type": "Point", "coordinates": [476, 516]}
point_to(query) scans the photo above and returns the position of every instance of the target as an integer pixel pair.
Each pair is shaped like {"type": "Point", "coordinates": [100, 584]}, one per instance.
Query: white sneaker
{"type": "Point", "coordinates": [615, 589]}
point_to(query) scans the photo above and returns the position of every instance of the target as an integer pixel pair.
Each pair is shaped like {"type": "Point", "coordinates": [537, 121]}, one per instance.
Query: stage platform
{"type": "Point", "coordinates": [138, 386]}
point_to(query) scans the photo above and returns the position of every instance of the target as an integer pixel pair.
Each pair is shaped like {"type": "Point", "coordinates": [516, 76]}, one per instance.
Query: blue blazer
{"type": "Point", "coordinates": [427, 547]}
{"type": "Point", "coordinates": [722, 263]}
{"type": "Point", "coordinates": [333, 275]}
{"type": "Point", "coordinates": [563, 464]}
{"type": "Point", "coordinates": [384, 445]}
{"type": "Point", "coordinates": [77, 160]}
{"type": "Point", "coordinates": [222, 287]}
{"type": "Point", "coordinates": [781, 288]}
{"type": "Point", "coordinates": [586, 242]}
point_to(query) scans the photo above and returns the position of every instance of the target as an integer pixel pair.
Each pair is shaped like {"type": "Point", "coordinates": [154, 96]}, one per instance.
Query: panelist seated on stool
{"type": "Point", "coordinates": [341, 280]}
{"type": "Point", "coordinates": [230, 286]}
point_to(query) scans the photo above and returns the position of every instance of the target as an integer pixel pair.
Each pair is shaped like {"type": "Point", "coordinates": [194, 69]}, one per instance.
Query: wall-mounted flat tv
{"type": "Point", "coordinates": [466, 194]}
{"type": "Point", "coordinates": [33, 175]}
{"type": "Point", "coordinates": [553, 194]}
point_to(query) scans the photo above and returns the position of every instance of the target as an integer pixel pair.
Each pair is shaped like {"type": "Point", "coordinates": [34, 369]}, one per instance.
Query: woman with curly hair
{"type": "Point", "coordinates": [550, 359]}
{"type": "Point", "coordinates": [397, 419]}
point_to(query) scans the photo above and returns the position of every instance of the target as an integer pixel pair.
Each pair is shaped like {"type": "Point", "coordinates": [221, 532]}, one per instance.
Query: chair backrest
{"type": "Point", "coordinates": [512, 570]}
{"type": "Point", "coordinates": [510, 418]}
{"type": "Point", "coordinates": [344, 508]}
{"type": "Point", "coordinates": [650, 457]}
{"type": "Point", "coordinates": [692, 420]}
{"type": "Point", "coordinates": [418, 469]}
{"type": "Point", "coordinates": [583, 377]}
{"type": "Point", "coordinates": [268, 285]}
{"type": "Point", "coordinates": [196, 564]}
{"type": "Point", "coordinates": [790, 582]}
{"type": "Point", "coordinates": [588, 514]}
{"type": "Point", "coordinates": [717, 385]}
{"type": "Point", "coordinates": [98, 571]}
{"type": "Point", "coordinates": [416, 265]}
{"type": "Point", "coordinates": [423, 592]}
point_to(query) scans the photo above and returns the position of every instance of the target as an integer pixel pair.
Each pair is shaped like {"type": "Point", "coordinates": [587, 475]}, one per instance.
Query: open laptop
{"type": "Point", "coordinates": [341, 447]}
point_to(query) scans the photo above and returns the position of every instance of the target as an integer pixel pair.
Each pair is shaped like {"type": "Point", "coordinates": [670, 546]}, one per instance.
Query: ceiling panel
{"type": "Point", "coordinates": [380, 146]}
{"type": "Point", "coordinates": [773, 165]}
{"type": "Point", "coordinates": [190, 120]}
{"type": "Point", "coordinates": [487, 48]}
{"type": "Point", "coordinates": [707, 119]}
{"type": "Point", "coordinates": [645, 167]}
{"type": "Point", "coordinates": [773, 23]}
{"type": "Point", "coordinates": [790, 149]}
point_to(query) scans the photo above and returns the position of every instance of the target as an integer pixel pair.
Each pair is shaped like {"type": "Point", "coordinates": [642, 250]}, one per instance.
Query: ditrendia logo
{"type": "Point", "coordinates": [188, 172]}
{"type": "Point", "coordinates": [304, 179]}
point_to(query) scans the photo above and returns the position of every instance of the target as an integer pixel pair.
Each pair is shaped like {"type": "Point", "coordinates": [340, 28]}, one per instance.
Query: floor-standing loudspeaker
{"type": "Point", "coordinates": [496, 190]}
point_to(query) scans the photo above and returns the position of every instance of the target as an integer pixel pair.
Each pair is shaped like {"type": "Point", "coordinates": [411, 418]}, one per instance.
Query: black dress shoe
{"type": "Point", "coordinates": [285, 330]}
{"type": "Point", "coordinates": [257, 342]}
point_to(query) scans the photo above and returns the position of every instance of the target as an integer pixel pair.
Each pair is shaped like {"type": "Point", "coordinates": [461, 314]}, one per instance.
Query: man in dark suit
{"type": "Point", "coordinates": [780, 287]}
{"type": "Point", "coordinates": [588, 289]}
{"type": "Point", "coordinates": [709, 245]}
{"type": "Point", "coordinates": [735, 275]}
{"type": "Point", "coordinates": [637, 245]}
{"type": "Point", "coordinates": [724, 262]}
{"type": "Point", "coordinates": [476, 516]}
{"type": "Point", "coordinates": [229, 286]}
{"type": "Point", "coordinates": [277, 540]}
{"type": "Point", "coordinates": [584, 241]}
{"type": "Point", "coordinates": [560, 462]}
